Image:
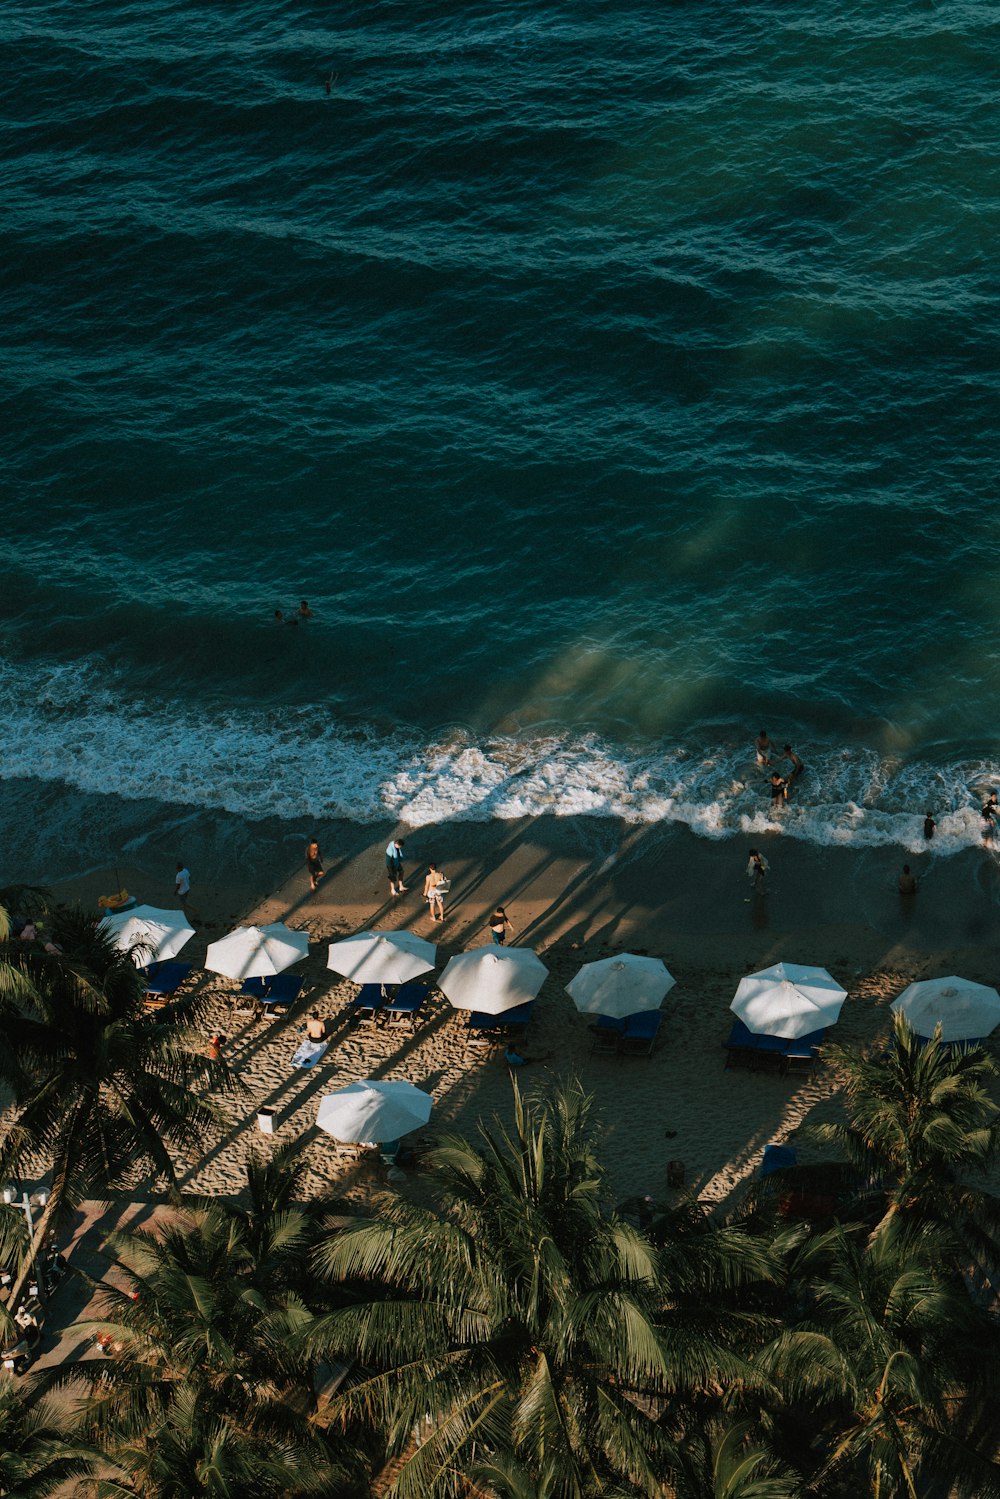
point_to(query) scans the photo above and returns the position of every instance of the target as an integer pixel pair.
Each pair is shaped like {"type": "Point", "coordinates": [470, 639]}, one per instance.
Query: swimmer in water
{"type": "Point", "coordinates": [929, 826]}
{"type": "Point", "coordinates": [797, 766]}
{"type": "Point", "coordinates": [763, 747]}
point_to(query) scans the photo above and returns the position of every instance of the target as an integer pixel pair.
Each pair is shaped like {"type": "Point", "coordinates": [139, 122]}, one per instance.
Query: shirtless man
{"type": "Point", "coordinates": [797, 766]}
{"type": "Point", "coordinates": [763, 747]}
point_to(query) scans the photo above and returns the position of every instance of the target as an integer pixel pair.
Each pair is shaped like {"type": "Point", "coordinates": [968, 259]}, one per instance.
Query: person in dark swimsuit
{"type": "Point", "coordinates": [929, 826]}
{"type": "Point", "coordinates": [499, 926]}
{"type": "Point", "coordinates": [779, 789]}
{"type": "Point", "coordinates": [990, 812]}
{"type": "Point", "coordinates": [314, 863]}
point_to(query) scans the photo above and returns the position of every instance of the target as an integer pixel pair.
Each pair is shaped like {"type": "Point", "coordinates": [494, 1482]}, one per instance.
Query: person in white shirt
{"type": "Point", "coordinates": [182, 885]}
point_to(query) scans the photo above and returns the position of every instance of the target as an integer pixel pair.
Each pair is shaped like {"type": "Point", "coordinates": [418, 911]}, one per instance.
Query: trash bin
{"type": "Point", "coordinates": [265, 1121]}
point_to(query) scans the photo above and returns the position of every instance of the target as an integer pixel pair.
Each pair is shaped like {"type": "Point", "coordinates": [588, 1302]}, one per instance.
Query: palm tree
{"type": "Point", "coordinates": [524, 1335]}
{"type": "Point", "coordinates": [210, 1387]}
{"type": "Point", "coordinates": [920, 1121]}
{"type": "Point", "coordinates": [40, 1444]}
{"type": "Point", "coordinates": [101, 1086]}
{"type": "Point", "coordinates": [886, 1369]}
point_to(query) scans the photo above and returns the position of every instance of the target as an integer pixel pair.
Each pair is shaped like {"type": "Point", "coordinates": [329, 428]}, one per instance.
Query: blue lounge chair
{"type": "Point", "coordinates": [605, 1034]}
{"type": "Point", "coordinates": [368, 1003]}
{"type": "Point", "coordinates": [163, 980]}
{"type": "Point", "coordinates": [745, 1048]}
{"type": "Point", "coordinates": [407, 1004]}
{"type": "Point", "coordinates": [640, 1033]}
{"type": "Point", "coordinates": [497, 1027]}
{"type": "Point", "coordinates": [282, 991]}
{"type": "Point", "coordinates": [801, 1054]}
{"type": "Point", "coordinates": [777, 1158]}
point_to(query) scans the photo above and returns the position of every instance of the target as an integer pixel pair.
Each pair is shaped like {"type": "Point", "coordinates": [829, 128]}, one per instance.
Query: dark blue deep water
{"type": "Point", "coordinates": [613, 380]}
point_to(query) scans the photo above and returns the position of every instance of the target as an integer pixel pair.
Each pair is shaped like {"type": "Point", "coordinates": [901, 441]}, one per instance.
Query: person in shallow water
{"type": "Point", "coordinates": [990, 812]}
{"type": "Point", "coordinates": [763, 747]}
{"type": "Point", "coordinates": [929, 826]}
{"type": "Point", "coordinates": [779, 789]}
{"type": "Point", "coordinates": [907, 882]}
{"type": "Point", "coordinates": [797, 766]}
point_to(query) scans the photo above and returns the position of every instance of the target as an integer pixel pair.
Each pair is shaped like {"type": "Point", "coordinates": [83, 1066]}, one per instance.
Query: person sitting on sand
{"type": "Point", "coordinates": [907, 882]}
{"type": "Point", "coordinates": [763, 747]}
{"type": "Point", "coordinates": [316, 1027]}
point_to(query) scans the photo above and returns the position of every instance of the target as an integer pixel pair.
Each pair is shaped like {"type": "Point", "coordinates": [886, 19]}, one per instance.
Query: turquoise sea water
{"type": "Point", "coordinates": [613, 381]}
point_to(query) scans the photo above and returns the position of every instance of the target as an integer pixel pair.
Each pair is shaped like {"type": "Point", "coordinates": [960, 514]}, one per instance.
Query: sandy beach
{"type": "Point", "coordinates": [576, 890]}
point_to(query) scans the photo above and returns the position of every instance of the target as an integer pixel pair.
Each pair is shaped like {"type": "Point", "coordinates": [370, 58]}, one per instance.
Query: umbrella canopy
{"type": "Point", "coordinates": [370, 1113]}
{"type": "Point", "coordinates": [788, 1000]}
{"type": "Point", "coordinates": [148, 933]}
{"type": "Point", "coordinates": [620, 986]}
{"type": "Point", "coordinates": [493, 979]}
{"type": "Point", "coordinates": [253, 952]}
{"type": "Point", "coordinates": [964, 1010]}
{"type": "Point", "coordinates": [382, 957]}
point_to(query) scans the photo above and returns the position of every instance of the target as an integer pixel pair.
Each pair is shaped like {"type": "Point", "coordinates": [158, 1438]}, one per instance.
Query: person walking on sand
{"type": "Point", "coordinates": [314, 863]}
{"type": "Point", "coordinates": [763, 747]}
{"type": "Point", "coordinates": [990, 812]}
{"type": "Point", "coordinates": [499, 926]}
{"type": "Point", "coordinates": [907, 882]}
{"type": "Point", "coordinates": [436, 887]}
{"type": "Point", "coordinates": [394, 866]}
{"type": "Point", "coordinates": [182, 886]}
{"type": "Point", "coordinates": [757, 867]}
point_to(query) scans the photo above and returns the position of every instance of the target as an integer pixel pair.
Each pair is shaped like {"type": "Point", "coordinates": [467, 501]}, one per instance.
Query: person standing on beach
{"type": "Point", "coordinates": [314, 863]}
{"type": "Point", "coordinates": [394, 866]}
{"type": "Point", "coordinates": [182, 886]}
{"type": "Point", "coordinates": [990, 812]}
{"type": "Point", "coordinates": [757, 867]}
{"type": "Point", "coordinates": [797, 766]}
{"type": "Point", "coordinates": [763, 747]}
{"type": "Point", "coordinates": [436, 887]}
{"type": "Point", "coordinates": [499, 926]}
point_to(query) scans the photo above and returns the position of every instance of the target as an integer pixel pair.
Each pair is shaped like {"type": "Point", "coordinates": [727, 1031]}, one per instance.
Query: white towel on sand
{"type": "Point", "coordinates": [308, 1053]}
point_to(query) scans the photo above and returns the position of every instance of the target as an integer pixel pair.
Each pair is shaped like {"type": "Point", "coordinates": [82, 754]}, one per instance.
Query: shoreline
{"type": "Point", "coordinates": [576, 890]}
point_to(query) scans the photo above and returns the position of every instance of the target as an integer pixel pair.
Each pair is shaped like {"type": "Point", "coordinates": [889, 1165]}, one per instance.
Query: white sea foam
{"type": "Point", "coordinates": [74, 725]}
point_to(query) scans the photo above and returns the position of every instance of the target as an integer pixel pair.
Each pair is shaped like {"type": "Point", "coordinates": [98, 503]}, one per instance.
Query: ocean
{"type": "Point", "coordinates": [613, 381]}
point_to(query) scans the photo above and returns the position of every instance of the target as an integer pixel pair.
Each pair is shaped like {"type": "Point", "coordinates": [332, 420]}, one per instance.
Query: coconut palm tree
{"type": "Point", "coordinates": [520, 1334]}
{"type": "Point", "coordinates": [101, 1086]}
{"type": "Point", "coordinates": [40, 1443]}
{"type": "Point", "coordinates": [209, 1386]}
{"type": "Point", "coordinates": [920, 1123]}
{"type": "Point", "coordinates": [886, 1369]}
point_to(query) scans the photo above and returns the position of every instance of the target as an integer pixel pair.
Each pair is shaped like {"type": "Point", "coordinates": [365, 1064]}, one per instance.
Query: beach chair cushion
{"type": "Point", "coordinates": [640, 1033]}
{"type": "Point", "coordinates": [777, 1158]}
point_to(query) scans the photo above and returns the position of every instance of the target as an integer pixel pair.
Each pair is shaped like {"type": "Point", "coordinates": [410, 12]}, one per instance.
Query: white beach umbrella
{"type": "Point", "coordinates": [620, 986]}
{"type": "Point", "coordinates": [148, 933]}
{"type": "Point", "coordinates": [252, 952]}
{"type": "Point", "coordinates": [370, 1113]}
{"type": "Point", "coordinates": [788, 1000]}
{"type": "Point", "coordinates": [965, 1011]}
{"type": "Point", "coordinates": [382, 957]}
{"type": "Point", "coordinates": [493, 979]}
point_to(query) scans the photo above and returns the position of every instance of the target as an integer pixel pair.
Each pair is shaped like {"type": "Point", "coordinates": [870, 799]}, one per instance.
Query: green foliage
{"type": "Point", "coordinates": [40, 1442]}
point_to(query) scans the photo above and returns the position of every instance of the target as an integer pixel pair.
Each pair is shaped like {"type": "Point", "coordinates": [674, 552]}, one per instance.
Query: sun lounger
{"type": "Point", "coordinates": [309, 1053]}
{"type": "Point", "coordinates": [281, 993]}
{"type": "Point", "coordinates": [640, 1033]}
{"type": "Point", "coordinates": [367, 1005]}
{"type": "Point", "coordinates": [744, 1048]}
{"type": "Point", "coordinates": [404, 1009]}
{"type": "Point", "coordinates": [163, 980]}
{"type": "Point", "coordinates": [489, 1028]}
{"type": "Point", "coordinates": [605, 1034]}
{"type": "Point", "coordinates": [800, 1055]}
{"type": "Point", "coordinates": [777, 1158]}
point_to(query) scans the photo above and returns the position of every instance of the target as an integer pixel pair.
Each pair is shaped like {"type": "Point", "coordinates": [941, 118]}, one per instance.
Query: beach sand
{"type": "Point", "coordinates": [575, 890]}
